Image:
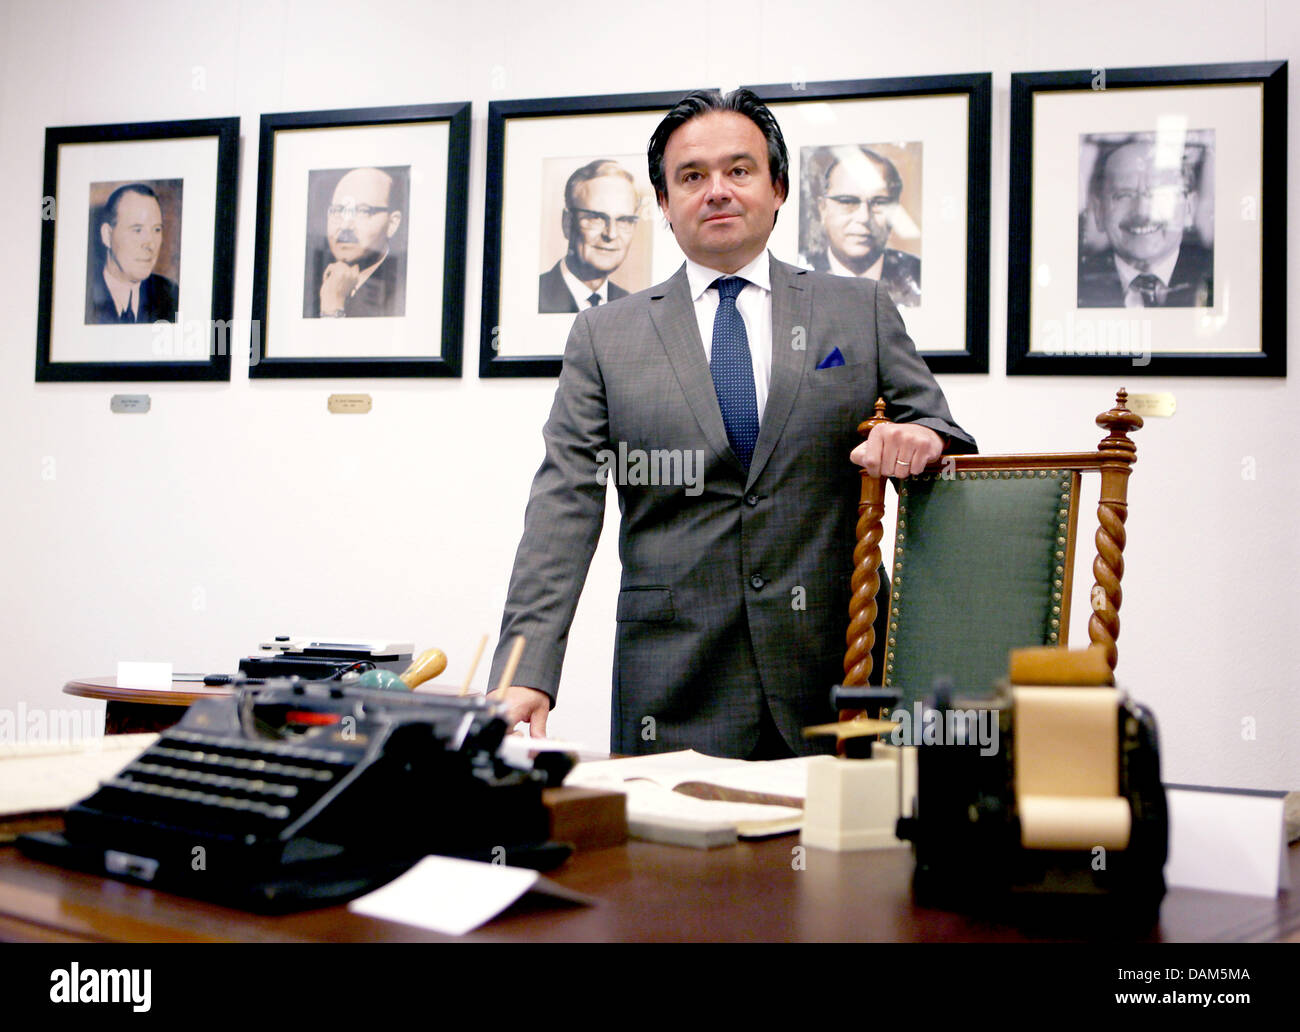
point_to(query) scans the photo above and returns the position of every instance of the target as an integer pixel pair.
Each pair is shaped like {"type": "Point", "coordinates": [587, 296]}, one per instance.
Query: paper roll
{"type": "Point", "coordinates": [1066, 742]}
{"type": "Point", "coordinates": [1068, 822]}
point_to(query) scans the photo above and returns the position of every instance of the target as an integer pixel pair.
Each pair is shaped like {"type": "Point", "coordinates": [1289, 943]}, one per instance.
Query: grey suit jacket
{"type": "Point", "coordinates": [735, 586]}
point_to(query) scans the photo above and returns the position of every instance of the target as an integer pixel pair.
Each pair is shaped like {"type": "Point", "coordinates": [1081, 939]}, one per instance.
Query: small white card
{"type": "Point", "coordinates": [455, 896]}
{"type": "Point", "coordinates": [1227, 840]}
{"type": "Point", "coordinates": [144, 675]}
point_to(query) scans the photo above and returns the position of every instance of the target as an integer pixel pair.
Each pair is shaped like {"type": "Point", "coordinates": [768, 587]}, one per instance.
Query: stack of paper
{"type": "Point", "coordinates": [687, 798]}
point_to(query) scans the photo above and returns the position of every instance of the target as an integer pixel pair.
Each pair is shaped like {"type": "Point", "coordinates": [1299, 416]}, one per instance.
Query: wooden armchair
{"type": "Point", "coordinates": [983, 558]}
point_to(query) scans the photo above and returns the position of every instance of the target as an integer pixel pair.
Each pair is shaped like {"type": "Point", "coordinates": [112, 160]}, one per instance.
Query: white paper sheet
{"type": "Point", "coordinates": [1226, 840]}
{"type": "Point", "coordinates": [453, 896]}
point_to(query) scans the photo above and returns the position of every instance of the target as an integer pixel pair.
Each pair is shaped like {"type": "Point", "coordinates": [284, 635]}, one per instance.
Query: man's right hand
{"type": "Point", "coordinates": [336, 286]}
{"type": "Point", "coordinates": [525, 705]}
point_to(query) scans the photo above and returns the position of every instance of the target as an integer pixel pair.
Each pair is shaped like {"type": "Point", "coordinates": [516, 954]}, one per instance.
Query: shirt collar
{"type": "Point", "coordinates": [700, 277]}
{"type": "Point", "coordinates": [580, 291]}
{"type": "Point", "coordinates": [1162, 270]}
{"type": "Point", "coordinates": [115, 291]}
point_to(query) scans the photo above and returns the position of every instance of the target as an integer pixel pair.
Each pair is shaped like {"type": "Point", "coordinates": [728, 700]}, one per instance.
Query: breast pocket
{"type": "Point", "coordinates": [840, 376]}
{"type": "Point", "coordinates": [646, 605]}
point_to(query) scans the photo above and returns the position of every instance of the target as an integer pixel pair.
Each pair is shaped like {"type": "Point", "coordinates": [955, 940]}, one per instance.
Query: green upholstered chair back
{"type": "Point", "coordinates": [983, 557]}
{"type": "Point", "coordinates": [982, 565]}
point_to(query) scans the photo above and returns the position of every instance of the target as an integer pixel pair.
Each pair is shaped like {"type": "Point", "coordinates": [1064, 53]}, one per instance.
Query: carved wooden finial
{"type": "Point", "coordinates": [1119, 421]}
{"type": "Point", "coordinates": [866, 427]}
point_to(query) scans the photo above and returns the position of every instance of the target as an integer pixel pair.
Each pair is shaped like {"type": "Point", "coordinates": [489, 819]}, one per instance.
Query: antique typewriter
{"type": "Point", "coordinates": [293, 794]}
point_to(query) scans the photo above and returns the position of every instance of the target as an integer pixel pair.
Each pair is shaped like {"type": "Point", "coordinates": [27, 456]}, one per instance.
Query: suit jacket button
{"type": "Point", "coordinates": [756, 581]}
{"type": "Point", "coordinates": [751, 499]}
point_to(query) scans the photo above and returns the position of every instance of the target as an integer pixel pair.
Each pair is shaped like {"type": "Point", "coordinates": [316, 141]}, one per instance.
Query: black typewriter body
{"type": "Point", "coordinates": [293, 794]}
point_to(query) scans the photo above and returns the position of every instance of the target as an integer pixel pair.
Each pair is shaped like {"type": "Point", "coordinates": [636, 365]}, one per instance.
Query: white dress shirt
{"type": "Point", "coordinates": [580, 291]}
{"type": "Point", "coordinates": [1163, 270]}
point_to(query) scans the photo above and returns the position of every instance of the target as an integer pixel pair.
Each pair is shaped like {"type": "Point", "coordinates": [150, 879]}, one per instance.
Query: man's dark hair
{"type": "Point", "coordinates": [701, 102]}
{"type": "Point", "coordinates": [108, 213]}
{"type": "Point", "coordinates": [893, 181]}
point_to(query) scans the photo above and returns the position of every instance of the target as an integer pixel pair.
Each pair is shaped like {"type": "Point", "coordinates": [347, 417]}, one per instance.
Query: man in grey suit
{"type": "Point", "coordinates": [731, 460]}
{"type": "Point", "coordinates": [599, 218]}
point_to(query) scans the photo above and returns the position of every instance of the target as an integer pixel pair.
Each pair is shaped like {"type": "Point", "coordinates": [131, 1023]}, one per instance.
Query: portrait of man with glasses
{"type": "Point", "coordinates": [599, 222]}
{"type": "Point", "coordinates": [1145, 238]}
{"type": "Point", "coordinates": [856, 192]}
{"type": "Point", "coordinates": [356, 268]}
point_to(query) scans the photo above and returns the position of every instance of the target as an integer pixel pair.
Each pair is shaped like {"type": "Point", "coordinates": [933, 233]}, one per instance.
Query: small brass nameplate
{"type": "Point", "coordinates": [349, 403]}
{"type": "Point", "coordinates": [129, 403]}
{"type": "Point", "coordinates": [1160, 404]}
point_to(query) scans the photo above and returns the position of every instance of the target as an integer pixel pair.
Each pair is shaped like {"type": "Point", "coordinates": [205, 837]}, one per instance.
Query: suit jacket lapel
{"type": "Point", "coordinates": [791, 309]}
{"type": "Point", "coordinates": [673, 315]}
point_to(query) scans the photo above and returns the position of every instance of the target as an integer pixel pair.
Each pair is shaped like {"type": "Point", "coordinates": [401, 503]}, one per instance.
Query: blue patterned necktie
{"type": "Point", "coordinates": [733, 371]}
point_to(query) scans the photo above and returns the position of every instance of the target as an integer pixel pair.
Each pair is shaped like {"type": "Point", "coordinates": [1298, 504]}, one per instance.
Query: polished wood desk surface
{"type": "Point", "coordinates": [131, 710]}
{"type": "Point", "coordinates": [750, 892]}
{"type": "Point", "coordinates": [181, 693]}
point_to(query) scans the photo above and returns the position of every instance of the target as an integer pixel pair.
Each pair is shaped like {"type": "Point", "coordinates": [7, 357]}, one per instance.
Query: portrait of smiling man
{"type": "Point", "coordinates": [361, 271]}
{"type": "Point", "coordinates": [735, 586]}
{"type": "Point", "coordinates": [599, 221]}
{"type": "Point", "coordinates": [122, 285]}
{"type": "Point", "coordinates": [1143, 199]}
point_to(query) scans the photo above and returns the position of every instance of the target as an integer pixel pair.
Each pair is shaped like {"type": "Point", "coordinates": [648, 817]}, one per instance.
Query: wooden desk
{"type": "Point", "coordinates": [132, 710]}
{"type": "Point", "coordinates": [750, 892]}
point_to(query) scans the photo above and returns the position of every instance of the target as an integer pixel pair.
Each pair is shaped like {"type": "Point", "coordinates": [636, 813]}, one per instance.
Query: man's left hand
{"type": "Point", "coordinates": [898, 449]}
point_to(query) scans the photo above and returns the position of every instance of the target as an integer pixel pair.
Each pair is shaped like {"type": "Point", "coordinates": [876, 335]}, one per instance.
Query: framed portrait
{"type": "Point", "coordinates": [361, 242]}
{"type": "Point", "coordinates": [137, 252]}
{"type": "Point", "coordinates": [889, 179]}
{"type": "Point", "coordinates": [569, 201]}
{"type": "Point", "coordinates": [1148, 221]}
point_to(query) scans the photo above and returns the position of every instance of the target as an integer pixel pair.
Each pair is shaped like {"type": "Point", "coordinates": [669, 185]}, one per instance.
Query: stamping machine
{"type": "Point", "coordinates": [1068, 805]}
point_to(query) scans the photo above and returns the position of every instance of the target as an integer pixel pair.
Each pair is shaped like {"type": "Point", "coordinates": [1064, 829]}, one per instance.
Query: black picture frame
{"type": "Point", "coordinates": [278, 308]}
{"type": "Point", "coordinates": [494, 359]}
{"type": "Point", "coordinates": [967, 293]}
{"type": "Point", "coordinates": [194, 349]}
{"type": "Point", "coordinates": [1100, 109]}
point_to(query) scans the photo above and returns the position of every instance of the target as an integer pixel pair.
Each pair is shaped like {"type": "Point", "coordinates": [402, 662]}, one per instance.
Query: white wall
{"type": "Point", "coordinates": [234, 511]}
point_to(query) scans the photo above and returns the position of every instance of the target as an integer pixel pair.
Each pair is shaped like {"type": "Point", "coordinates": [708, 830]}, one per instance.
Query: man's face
{"type": "Point", "coordinates": [721, 201]}
{"type": "Point", "coordinates": [134, 241]}
{"type": "Point", "coordinates": [599, 225]}
{"type": "Point", "coordinates": [359, 222]}
{"type": "Point", "coordinates": [857, 210]}
{"type": "Point", "coordinates": [1143, 206]}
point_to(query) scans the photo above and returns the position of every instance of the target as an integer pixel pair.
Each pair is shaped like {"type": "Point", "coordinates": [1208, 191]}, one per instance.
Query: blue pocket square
{"type": "Point", "coordinates": [832, 360]}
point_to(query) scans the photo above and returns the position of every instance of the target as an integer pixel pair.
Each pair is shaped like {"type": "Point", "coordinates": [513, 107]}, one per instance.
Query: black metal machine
{"type": "Point", "coordinates": [294, 794]}
{"type": "Point", "coordinates": [964, 820]}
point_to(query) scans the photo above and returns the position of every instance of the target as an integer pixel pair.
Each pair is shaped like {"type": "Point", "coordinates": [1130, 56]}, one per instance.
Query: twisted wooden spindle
{"type": "Point", "coordinates": [1118, 455]}
{"type": "Point", "coordinates": [866, 565]}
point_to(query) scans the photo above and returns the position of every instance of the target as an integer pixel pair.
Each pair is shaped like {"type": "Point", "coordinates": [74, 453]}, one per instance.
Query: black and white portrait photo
{"type": "Point", "coordinates": [595, 242]}
{"type": "Point", "coordinates": [1146, 220]}
{"type": "Point", "coordinates": [860, 214]}
{"type": "Point", "coordinates": [356, 242]}
{"type": "Point", "coordinates": [133, 258]}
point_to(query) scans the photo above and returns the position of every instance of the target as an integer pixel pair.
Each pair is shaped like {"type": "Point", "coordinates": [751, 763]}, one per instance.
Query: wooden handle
{"type": "Point", "coordinates": [426, 666]}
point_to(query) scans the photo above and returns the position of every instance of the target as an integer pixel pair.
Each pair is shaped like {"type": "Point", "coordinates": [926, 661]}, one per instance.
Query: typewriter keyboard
{"type": "Point", "coordinates": [228, 786]}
